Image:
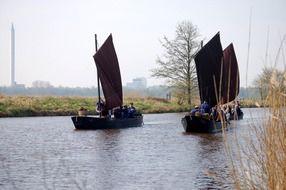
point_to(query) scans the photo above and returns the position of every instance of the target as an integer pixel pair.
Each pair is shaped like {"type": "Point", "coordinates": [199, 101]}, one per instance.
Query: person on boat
{"type": "Point", "coordinates": [131, 110]}
{"type": "Point", "coordinates": [125, 112]}
{"type": "Point", "coordinates": [237, 109]}
{"type": "Point", "coordinates": [109, 115]}
{"type": "Point", "coordinates": [220, 113]}
{"type": "Point", "coordinates": [214, 113]}
{"type": "Point", "coordinates": [193, 111]}
{"type": "Point", "coordinates": [100, 105]}
{"type": "Point", "coordinates": [118, 112]}
{"type": "Point", "coordinates": [104, 113]}
{"type": "Point", "coordinates": [205, 108]}
{"type": "Point", "coordinates": [226, 112]}
{"type": "Point", "coordinates": [131, 106]}
{"type": "Point", "coordinates": [233, 109]}
{"type": "Point", "coordinates": [221, 110]}
{"type": "Point", "coordinates": [229, 108]}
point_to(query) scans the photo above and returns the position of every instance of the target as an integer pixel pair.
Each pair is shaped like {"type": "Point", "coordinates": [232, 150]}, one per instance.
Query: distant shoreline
{"type": "Point", "coordinates": [25, 106]}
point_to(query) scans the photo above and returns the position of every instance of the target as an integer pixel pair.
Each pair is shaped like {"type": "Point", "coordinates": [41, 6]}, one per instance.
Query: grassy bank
{"type": "Point", "coordinates": [19, 106]}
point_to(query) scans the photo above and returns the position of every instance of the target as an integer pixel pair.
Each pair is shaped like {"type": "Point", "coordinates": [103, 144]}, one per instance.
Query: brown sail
{"type": "Point", "coordinates": [230, 75]}
{"type": "Point", "coordinates": [109, 73]}
{"type": "Point", "coordinates": [208, 66]}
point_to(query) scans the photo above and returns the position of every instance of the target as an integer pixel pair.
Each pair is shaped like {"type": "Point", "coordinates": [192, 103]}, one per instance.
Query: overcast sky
{"type": "Point", "coordinates": [55, 38]}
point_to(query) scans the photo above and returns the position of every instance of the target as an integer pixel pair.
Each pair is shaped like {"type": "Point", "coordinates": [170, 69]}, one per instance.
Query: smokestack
{"type": "Point", "coordinates": [12, 56]}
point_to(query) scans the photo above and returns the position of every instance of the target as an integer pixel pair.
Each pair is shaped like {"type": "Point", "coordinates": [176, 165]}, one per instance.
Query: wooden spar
{"type": "Point", "coordinates": [98, 82]}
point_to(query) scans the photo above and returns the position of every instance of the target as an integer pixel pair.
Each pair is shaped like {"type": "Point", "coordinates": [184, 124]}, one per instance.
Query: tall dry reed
{"type": "Point", "coordinates": [258, 159]}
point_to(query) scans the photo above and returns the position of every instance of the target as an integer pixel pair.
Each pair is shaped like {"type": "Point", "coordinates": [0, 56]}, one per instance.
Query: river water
{"type": "Point", "coordinates": [48, 153]}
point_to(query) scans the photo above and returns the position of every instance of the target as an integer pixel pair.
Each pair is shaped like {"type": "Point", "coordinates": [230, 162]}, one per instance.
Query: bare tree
{"type": "Point", "coordinates": [177, 63]}
{"type": "Point", "coordinates": [268, 77]}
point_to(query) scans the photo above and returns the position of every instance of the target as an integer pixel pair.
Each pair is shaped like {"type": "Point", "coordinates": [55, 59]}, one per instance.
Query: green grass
{"type": "Point", "coordinates": [20, 106]}
{"type": "Point", "coordinates": [11, 106]}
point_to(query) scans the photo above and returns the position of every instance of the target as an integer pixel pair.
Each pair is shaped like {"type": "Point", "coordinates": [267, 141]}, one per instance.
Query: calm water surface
{"type": "Point", "coordinates": [47, 153]}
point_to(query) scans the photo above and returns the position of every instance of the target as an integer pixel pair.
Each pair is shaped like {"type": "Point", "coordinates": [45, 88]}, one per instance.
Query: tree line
{"type": "Point", "coordinates": [153, 91]}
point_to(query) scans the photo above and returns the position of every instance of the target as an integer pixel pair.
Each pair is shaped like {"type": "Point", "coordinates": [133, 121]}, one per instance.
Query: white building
{"type": "Point", "coordinates": [41, 84]}
{"type": "Point", "coordinates": [137, 83]}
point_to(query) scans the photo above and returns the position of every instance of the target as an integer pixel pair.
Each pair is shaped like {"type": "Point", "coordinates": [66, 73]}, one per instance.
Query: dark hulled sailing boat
{"type": "Point", "coordinates": [109, 75]}
{"type": "Point", "coordinates": [218, 80]}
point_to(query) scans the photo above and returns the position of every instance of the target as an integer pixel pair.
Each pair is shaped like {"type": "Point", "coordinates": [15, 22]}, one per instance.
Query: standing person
{"type": "Point", "coordinates": [131, 106]}
{"type": "Point", "coordinates": [125, 111]}
{"type": "Point", "coordinates": [220, 113]}
{"type": "Point", "coordinates": [109, 114]}
{"type": "Point", "coordinates": [205, 108]}
{"type": "Point", "coordinates": [100, 105]}
{"type": "Point", "coordinates": [226, 112]}
{"type": "Point", "coordinates": [237, 109]}
{"type": "Point", "coordinates": [214, 113]}
{"type": "Point", "coordinates": [100, 108]}
{"type": "Point", "coordinates": [131, 110]}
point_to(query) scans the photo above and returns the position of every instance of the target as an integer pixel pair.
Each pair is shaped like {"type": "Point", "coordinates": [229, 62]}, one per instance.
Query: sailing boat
{"type": "Point", "coordinates": [230, 62]}
{"type": "Point", "coordinates": [218, 80]}
{"type": "Point", "coordinates": [109, 76]}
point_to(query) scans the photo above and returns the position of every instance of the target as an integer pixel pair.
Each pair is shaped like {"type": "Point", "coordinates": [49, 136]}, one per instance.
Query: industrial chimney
{"type": "Point", "coordinates": [13, 82]}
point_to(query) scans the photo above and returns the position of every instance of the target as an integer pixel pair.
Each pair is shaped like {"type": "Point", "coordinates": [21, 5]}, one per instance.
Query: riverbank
{"type": "Point", "coordinates": [23, 106]}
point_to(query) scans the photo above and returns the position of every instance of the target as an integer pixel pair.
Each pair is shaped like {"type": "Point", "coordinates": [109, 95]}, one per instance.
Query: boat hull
{"type": "Point", "coordinates": [202, 125]}
{"type": "Point", "coordinates": [94, 123]}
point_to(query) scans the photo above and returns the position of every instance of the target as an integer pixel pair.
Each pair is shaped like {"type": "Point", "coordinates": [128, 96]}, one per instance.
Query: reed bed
{"type": "Point", "coordinates": [258, 159]}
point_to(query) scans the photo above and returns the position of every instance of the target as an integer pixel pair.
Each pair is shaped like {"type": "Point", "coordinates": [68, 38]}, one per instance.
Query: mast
{"type": "Point", "coordinates": [98, 82]}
